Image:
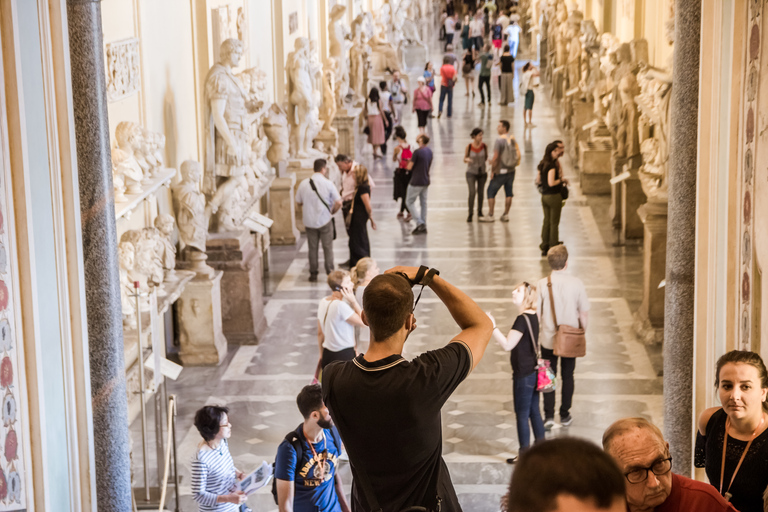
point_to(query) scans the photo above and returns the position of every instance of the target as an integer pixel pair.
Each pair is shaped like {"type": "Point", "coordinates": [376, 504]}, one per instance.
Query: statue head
{"type": "Point", "coordinates": [191, 171]}
{"type": "Point", "coordinates": [128, 136]}
{"type": "Point", "coordinates": [164, 223]}
{"type": "Point", "coordinates": [230, 52]}
{"type": "Point", "coordinates": [126, 254]}
{"type": "Point", "coordinates": [301, 43]}
{"type": "Point", "coordinates": [337, 11]}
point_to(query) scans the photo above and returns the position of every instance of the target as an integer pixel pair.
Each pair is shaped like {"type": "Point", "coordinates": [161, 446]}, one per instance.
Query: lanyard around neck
{"type": "Point", "coordinates": [320, 463]}
{"type": "Point", "coordinates": [727, 495]}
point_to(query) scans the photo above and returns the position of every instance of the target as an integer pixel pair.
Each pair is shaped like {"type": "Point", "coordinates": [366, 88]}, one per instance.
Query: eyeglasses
{"type": "Point", "coordinates": [660, 467]}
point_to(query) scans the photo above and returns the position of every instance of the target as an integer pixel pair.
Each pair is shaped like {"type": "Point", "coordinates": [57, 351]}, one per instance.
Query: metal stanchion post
{"type": "Point", "coordinates": [137, 297]}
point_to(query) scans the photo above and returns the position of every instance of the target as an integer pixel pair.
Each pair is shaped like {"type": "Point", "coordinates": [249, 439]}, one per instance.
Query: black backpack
{"type": "Point", "coordinates": [295, 440]}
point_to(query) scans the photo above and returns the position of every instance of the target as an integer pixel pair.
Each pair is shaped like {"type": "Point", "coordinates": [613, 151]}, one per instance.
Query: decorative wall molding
{"type": "Point", "coordinates": [123, 68]}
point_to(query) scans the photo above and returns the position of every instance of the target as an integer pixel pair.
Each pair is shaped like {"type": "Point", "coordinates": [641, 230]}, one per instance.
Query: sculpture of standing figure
{"type": "Point", "coordinates": [628, 143]}
{"type": "Point", "coordinates": [573, 64]}
{"type": "Point", "coordinates": [329, 96]}
{"type": "Point", "coordinates": [338, 47]}
{"type": "Point", "coordinates": [301, 98]}
{"type": "Point", "coordinates": [228, 120]}
{"type": "Point", "coordinates": [192, 216]}
{"type": "Point", "coordinates": [358, 58]}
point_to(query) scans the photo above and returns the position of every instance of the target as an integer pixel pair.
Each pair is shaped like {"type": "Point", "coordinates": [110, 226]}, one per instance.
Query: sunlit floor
{"type": "Point", "coordinates": [618, 378]}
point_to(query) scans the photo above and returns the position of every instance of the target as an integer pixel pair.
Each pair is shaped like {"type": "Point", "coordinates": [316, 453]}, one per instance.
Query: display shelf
{"type": "Point", "coordinates": [125, 208]}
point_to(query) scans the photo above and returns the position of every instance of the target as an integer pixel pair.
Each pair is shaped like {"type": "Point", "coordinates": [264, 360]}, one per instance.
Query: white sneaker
{"type": "Point", "coordinates": [486, 218]}
{"type": "Point", "coordinates": [504, 218]}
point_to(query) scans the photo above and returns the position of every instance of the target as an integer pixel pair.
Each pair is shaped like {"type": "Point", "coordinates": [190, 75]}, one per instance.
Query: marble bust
{"type": "Point", "coordinates": [147, 269]}
{"type": "Point", "coordinates": [165, 249]}
{"type": "Point", "coordinates": [229, 114]}
{"type": "Point", "coordinates": [125, 163]}
{"type": "Point", "coordinates": [126, 254]}
{"type": "Point", "coordinates": [192, 216]}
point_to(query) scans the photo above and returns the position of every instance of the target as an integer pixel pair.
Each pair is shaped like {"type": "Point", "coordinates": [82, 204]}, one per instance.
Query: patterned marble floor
{"type": "Point", "coordinates": [619, 376]}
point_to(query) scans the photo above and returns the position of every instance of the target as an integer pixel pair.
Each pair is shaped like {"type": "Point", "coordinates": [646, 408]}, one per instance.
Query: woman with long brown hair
{"type": "Point", "coordinates": [732, 440]}
{"type": "Point", "coordinates": [360, 214]}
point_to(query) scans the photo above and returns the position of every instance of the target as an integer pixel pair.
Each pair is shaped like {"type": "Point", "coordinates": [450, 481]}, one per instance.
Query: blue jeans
{"type": "Point", "coordinates": [526, 400]}
{"type": "Point", "coordinates": [414, 192]}
{"type": "Point", "coordinates": [446, 91]}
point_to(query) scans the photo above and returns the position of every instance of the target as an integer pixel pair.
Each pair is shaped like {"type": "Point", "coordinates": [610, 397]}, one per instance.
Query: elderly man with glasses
{"type": "Point", "coordinates": [642, 454]}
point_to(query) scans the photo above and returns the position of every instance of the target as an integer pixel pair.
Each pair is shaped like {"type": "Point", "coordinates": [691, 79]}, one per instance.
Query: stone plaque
{"type": "Point", "coordinates": [123, 69]}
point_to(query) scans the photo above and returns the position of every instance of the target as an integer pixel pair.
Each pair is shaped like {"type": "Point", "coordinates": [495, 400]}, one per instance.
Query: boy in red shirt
{"type": "Point", "coordinates": [448, 79]}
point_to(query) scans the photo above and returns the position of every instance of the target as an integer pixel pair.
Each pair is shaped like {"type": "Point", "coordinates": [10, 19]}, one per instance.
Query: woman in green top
{"type": "Point", "coordinates": [465, 33]}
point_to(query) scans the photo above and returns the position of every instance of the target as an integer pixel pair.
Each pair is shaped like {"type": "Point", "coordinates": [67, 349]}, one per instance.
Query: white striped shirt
{"type": "Point", "coordinates": [213, 474]}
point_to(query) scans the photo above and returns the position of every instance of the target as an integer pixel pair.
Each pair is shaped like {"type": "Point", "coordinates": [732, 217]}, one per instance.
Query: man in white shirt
{"type": "Point", "coordinates": [572, 309]}
{"type": "Point", "coordinates": [476, 32]}
{"type": "Point", "coordinates": [399, 93]}
{"type": "Point", "coordinates": [450, 29]}
{"type": "Point", "coordinates": [513, 37]}
{"type": "Point", "coordinates": [320, 200]}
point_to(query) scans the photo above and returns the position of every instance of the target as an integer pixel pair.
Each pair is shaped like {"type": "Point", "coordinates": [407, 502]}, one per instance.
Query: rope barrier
{"type": "Point", "coordinates": [171, 416]}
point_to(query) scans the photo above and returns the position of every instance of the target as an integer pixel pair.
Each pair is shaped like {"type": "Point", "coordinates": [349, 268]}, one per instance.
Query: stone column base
{"type": "Point", "coordinates": [346, 124]}
{"type": "Point", "coordinates": [282, 209]}
{"type": "Point", "coordinates": [238, 255]}
{"type": "Point", "coordinates": [595, 167]}
{"type": "Point", "coordinates": [649, 319]}
{"type": "Point", "coordinates": [198, 313]}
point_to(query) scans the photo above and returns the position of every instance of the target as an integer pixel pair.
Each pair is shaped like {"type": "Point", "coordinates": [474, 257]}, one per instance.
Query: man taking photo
{"type": "Point", "coordinates": [387, 409]}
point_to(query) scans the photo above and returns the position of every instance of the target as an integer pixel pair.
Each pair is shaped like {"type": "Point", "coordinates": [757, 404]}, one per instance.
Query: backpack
{"type": "Point", "coordinates": [405, 156]}
{"type": "Point", "coordinates": [295, 440]}
{"type": "Point", "coordinates": [508, 157]}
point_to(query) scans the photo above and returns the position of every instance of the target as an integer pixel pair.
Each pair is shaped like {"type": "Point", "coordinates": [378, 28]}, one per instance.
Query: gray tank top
{"type": "Point", "coordinates": [477, 160]}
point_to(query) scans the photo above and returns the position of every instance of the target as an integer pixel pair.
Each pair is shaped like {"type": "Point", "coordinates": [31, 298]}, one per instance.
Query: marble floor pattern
{"type": "Point", "coordinates": [617, 378]}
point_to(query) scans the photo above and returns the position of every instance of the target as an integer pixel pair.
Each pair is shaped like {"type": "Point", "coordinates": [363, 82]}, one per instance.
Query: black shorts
{"type": "Point", "coordinates": [423, 115]}
{"type": "Point", "coordinates": [329, 356]}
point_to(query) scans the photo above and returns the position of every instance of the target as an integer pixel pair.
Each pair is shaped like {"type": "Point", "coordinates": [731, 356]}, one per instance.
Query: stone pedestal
{"type": "Point", "coordinates": [632, 198]}
{"type": "Point", "coordinates": [282, 209]}
{"type": "Point", "coordinates": [595, 167]}
{"type": "Point", "coordinates": [198, 313]}
{"type": "Point", "coordinates": [329, 139]}
{"type": "Point", "coordinates": [302, 169]}
{"type": "Point", "coordinates": [346, 124]}
{"type": "Point", "coordinates": [649, 319]}
{"type": "Point", "coordinates": [414, 56]}
{"type": "Point", "coordinates": [238, 255]}
{"type": "Point", "coordinates": [583, 113]}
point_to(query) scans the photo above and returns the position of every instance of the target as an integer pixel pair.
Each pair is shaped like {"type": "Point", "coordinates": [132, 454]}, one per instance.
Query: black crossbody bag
{"type": "Point", "coordinates": [365, 483]}
{"type": "Point", "coordinates": [333, 220]}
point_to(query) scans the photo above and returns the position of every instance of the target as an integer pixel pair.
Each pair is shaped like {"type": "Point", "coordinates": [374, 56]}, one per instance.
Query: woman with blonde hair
{"type": "Point", "coordinates": [523, 342]}
{"type": "Point", "coordinates": [361, 274]}
{"type": "Point", "coordinates": [359, 214]}
{"type": "Point", "coordinates": [337, 316]}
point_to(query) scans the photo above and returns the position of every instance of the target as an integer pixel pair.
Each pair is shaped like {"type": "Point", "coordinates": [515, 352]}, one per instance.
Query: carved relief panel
{"type": "Point", "coordinates": [123, 69]}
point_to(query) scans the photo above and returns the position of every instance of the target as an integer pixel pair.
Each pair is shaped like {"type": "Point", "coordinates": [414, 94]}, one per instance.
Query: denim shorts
{"type": "Point", "coordinates": [500, 180]}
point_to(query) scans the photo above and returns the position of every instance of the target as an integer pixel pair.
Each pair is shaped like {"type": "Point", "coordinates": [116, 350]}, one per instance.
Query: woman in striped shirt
{"type": "Point", "coordinates": [214, 475]}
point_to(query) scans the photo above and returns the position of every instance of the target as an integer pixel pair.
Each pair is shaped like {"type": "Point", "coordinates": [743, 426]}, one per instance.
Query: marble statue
{"type": "Point", "coordinates": [358, 58]}
{"type": "Point", "coordinates": [148, 268]}
{"type": "Point", "coordinates": [126, 254]}
{"type": "Point", "coordinates": [573, 62]}
{"type": "Point", "coordinates": [316, 72]}
{"type": "Point", "coordinates": [561, 34]}
{"type": "Point", "coordinates": [230, 112]}
{"type": "Point", "coordinates": [363, 26]}
{"type": "Point", "coordinates": [627, 142]}
{"type": "Point", "coordinates": [125, 165]}
{"type": "Point", "coordinates": [277, 129]}
{"type": "Point", "coordinates": [329, 96]}
{"type": "Point", "coordinates": [339, 44]}
{"type": "Point", "coordinates": [166, 249]}
{"type": "Point", "coordinates": [384, 55]}
{"type": "Point", "coordinates": [655, 86]}
{"type": "Point", "coordinates": [302, 100]}
{"type": "Point", "coordinates": [192, 215]}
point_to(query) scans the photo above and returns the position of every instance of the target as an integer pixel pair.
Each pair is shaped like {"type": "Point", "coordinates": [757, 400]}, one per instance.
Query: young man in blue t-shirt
{"type": "Point", "coordinates": [312, 483]}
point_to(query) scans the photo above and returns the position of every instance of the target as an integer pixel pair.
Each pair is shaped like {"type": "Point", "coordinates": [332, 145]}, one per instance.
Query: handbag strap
{"type": "Point", "coordinates": [363, 480]}
{"type": "Point", "coordinates": [533, 337]}
{"type": "Point", "coordinates": [312, 184]}
{"type": "Point", "coordinates": [552, 300]}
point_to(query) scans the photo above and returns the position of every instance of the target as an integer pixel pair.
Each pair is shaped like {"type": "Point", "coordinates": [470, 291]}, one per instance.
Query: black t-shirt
{"type": "Point", "coordinates": [360, 210]}
{"type": "Point", "coordinates": [544, 175]}
{"type": "Point", "coordinates": [388, 415]}
{"type": "Point", "coordinates": [523, 356]}
{"type": "Point", "coordinates": [507, 64]}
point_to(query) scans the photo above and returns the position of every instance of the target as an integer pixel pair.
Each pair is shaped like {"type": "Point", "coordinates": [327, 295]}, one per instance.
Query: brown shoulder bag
{"type": "Point", "coordinates": [569, 341]}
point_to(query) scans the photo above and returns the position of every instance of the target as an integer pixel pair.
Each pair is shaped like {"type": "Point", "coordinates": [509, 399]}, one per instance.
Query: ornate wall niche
{"type": "Point", "coordinates": [123, 65]}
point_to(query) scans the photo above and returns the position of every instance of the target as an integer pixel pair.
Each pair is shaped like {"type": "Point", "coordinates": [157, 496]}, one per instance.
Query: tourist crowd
{"type": "Point", "coordinates": [384, 411]}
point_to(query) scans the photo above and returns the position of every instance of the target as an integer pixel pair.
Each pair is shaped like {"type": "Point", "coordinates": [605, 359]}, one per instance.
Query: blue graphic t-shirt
{"type": "Point", "coordinates": [313, 476]}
